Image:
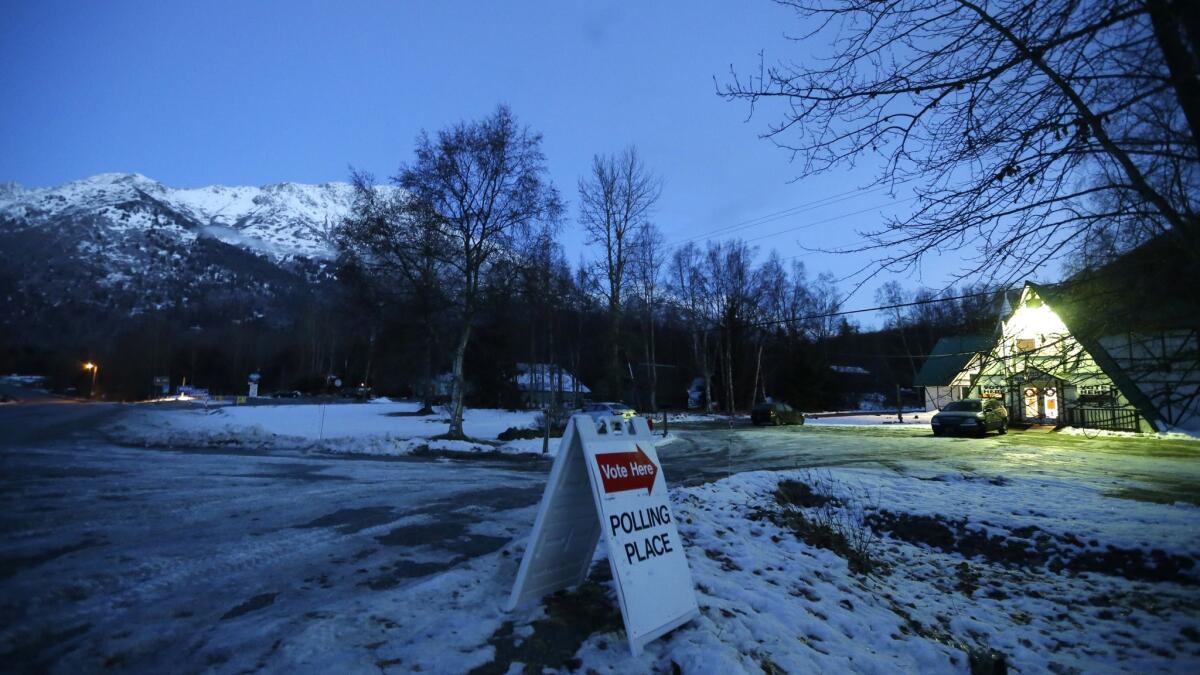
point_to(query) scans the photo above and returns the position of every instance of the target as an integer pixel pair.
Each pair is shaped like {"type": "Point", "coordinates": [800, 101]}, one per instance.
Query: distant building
{"type": "Point", "coordinates": [541, 383]}
{"type": "Point", "coordinates": [951, 367]}
{"type": "Point", "coordinates": [1117, 348]}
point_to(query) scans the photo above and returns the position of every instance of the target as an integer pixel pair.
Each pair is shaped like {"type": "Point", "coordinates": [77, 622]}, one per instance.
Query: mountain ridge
{"type": "Point", "coordinates": [281, 220]}
{"type": "Point", "coordinates": [122, 244]}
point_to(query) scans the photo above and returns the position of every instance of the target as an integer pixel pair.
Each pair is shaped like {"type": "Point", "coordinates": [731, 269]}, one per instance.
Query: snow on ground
{"type": "Point", "coordinates": [377, 428]}
{"type": "Point", "coordinates": [382, 427]}
{"type": "Point", "coordinates": [773, 603]}
{"type": "Point", "coordinates": [23, 380]}
{"type": "Point", "coordinates": [1175, 435]}
{"type": "Point", "coordinates": [226, 561]}
{"type": "Point", "coordinates": [770, 598]}
{"type": "Point", "coordinates": [917, 417]}
{"type": "Point", "coordinates": [692, 416]}
{"type": "Point", "coordinates": [841, 418]}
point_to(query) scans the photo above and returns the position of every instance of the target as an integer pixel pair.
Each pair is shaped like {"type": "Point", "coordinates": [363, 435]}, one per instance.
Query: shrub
{"type": "Point", "coordinates": [828, 514]}
{"type": "Point", "coordinates": [519, 433]}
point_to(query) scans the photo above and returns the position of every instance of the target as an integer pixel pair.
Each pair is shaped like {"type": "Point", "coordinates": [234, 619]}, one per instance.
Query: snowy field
{"type": "Point", "coordinates": [382, 427]}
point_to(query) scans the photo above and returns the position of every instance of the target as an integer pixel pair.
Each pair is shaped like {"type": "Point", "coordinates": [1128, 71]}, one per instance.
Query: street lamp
{"type": "Point", "coordinates": [95, 368]}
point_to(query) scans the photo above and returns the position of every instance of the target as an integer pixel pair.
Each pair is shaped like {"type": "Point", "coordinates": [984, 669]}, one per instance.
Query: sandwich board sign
{"type": "Point", "coordinates": [607, 482]}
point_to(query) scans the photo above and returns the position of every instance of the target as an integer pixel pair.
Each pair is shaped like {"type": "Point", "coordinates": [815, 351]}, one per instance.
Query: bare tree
{"type": "Point", "coordinates": [1021, 127]}
{"type": "Point", "coordinates": [614, 201]}
{"type": "Point", "coordinates": [391, 243]}
{"type": "Point", "coordinates": [689, 286]}
{"type": "Point", "coordinates": [731, 299]}
{"type": "Point", "coordinates": [649, 260]}
{"type": "Point", "coordinates": [889, 294]}
{"type": "Point", "coordinates": [485, 183]}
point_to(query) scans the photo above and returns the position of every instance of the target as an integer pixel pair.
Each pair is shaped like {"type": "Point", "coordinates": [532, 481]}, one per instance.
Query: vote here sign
{"type": "Point", "coordinates": [610, 485]}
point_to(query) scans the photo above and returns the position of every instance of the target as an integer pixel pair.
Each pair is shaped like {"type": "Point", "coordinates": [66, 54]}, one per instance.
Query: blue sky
{"type": "Point", "coordinates": [193, 93]}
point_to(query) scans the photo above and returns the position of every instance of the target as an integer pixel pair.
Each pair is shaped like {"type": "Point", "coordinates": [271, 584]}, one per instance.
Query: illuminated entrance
{"type": "Point", "coordinates": [1037, 398]}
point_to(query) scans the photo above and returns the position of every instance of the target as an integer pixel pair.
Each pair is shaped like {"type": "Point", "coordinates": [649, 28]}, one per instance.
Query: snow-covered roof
{"type": "Point", "coordinates": [544, 377]}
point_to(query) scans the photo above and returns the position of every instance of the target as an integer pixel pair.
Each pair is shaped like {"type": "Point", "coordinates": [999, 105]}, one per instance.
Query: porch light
{"type": "Point", "coordinates": [1039, 320]}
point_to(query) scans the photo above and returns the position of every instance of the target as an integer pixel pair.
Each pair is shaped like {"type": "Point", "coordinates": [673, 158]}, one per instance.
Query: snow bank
{"type": "Point", "coordinates": [911, 418]}
{"type": "Point", "coordinates": [382, 427]}
{"type": "Point", "coordinates": [848, 418]}
{"type": "Point", "coordinates": [1175, 435]}
{"type": "Point", "coordinates": [23, 380]}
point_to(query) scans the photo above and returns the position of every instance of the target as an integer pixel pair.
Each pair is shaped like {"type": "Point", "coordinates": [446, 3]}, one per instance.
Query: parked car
{"type": "Point", "coordinates": [775, 414]}
{"type": "Point", "coordinates": [971, 416]}
{"type": "Point", "coordinates": [357, 393]}
{"type": "Point", "coordinates": [286, 394]}
{"type": "Point", "coordinates": [598, 410]}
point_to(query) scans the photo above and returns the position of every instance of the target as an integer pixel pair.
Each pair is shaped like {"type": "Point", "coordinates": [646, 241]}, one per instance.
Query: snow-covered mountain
{"type": "Point", "coordinates": [124, 244]}
{"type": "Point", "coordinates": [282, 220]}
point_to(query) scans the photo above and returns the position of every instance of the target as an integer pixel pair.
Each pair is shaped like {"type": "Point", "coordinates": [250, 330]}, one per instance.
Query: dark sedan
{"type": "Point", "coordinates": [971, 416]}
{"type": "Point", "coordinates": [775, 414]}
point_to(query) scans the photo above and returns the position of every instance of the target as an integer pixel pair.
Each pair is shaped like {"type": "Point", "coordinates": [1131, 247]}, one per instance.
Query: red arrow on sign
{"type": "Point", "coordinates": [621, 471]}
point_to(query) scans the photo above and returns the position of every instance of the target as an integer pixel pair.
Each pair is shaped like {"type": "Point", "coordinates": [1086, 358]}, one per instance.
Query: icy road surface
{"type": "Point", "coordinates": [156, 560]}
{"type": "Point", "coordinates": [181, 561]}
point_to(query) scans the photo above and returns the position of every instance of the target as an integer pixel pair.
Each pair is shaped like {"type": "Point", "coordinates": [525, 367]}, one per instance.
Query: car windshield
{"type": "Point", "coordinates": [962, 406]}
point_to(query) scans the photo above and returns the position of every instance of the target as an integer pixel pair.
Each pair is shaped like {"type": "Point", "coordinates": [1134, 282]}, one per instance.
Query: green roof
{"type": "Point", "coordinates": [949, 357]}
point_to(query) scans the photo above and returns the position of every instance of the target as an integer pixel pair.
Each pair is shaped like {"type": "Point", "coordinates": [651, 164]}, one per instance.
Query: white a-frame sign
{"type": "Point", "coordinates": [607, 479]}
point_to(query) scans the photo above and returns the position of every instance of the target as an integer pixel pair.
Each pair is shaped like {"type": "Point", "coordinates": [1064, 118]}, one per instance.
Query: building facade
{"type": "Point", "coordinates": [1049, 366]}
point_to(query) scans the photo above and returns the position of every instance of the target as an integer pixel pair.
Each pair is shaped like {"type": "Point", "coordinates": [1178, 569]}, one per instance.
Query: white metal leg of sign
{"type": "Point", "coordinates": [611, 484]}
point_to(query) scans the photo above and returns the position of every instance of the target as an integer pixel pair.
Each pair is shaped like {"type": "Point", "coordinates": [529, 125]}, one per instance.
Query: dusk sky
{"type": "Point", "coordinates": [193, 94]}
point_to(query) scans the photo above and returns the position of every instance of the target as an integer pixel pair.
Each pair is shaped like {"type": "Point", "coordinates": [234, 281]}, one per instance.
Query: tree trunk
{"type": "Point", "coordinates": [613, 370]}
{"type": "Point", "coordinates": [653, 368]}
{"type": "Point", "coordinates": [708, 401]}
{"type": "Point", "coordinates": [757, 372]}
{"type": "Point", "coordinates": [370, 358]}
{"type": "Point", "coordinates": [729, 371]}
{"type": "Point", "coordinates": [427, 369]}
{"type": "Point", "coordinates": [460, 352]}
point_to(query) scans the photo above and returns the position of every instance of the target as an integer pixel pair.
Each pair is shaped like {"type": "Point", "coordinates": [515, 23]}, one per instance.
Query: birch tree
{"type": "Point", "coordinates": [485, 182]}
{"type": "Point", "coordinates": [615, 199]}
{"type": "Point", "coordinates": [649, 262]}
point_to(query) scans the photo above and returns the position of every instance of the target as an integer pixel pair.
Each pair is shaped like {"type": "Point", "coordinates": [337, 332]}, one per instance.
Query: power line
{"type": "Point", "coordinates": [777, 215]}
{"type": "Point", "coordinates": [847, 312]}
{"type": "Point", "coordinates": [827, 220]}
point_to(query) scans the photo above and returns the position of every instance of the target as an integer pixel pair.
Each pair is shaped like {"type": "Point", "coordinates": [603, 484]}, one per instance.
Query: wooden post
{"type": "Point", "coordinates": [899, 406]}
